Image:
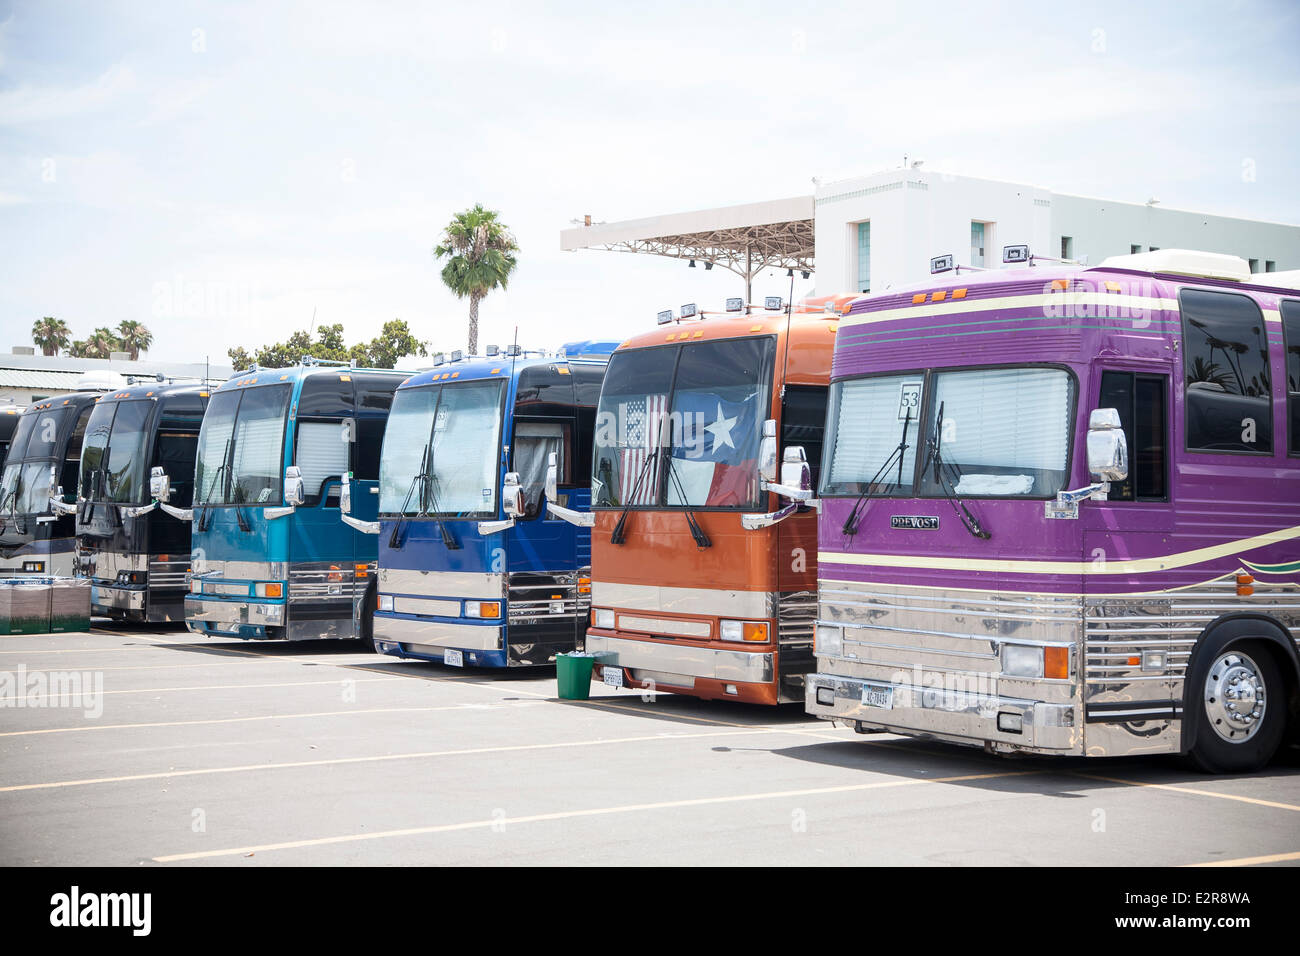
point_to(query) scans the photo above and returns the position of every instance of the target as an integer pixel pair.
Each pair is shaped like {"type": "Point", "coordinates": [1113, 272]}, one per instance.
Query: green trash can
{"type": "Point", "coordinates": [573, 675]}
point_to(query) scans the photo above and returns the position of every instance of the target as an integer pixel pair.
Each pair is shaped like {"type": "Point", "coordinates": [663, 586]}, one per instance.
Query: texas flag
{"type": "Point", "coordinates": [715, 450]}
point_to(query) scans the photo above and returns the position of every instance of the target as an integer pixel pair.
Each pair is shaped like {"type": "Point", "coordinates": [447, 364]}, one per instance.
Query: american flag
{"type": "Point", "coordinates": [643, 420]}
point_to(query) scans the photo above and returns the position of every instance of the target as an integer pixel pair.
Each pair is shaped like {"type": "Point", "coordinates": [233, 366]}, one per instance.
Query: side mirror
{"type": "Point", "coordinates": [552, 478]}
{"type": "Point", "coordinates": [345, 493]}
{"type": "Point", "coordinates": [294, 491]}
{"type": "Point", "coordinates": [767, 454]}
{"type": "Point", "coordinates": [512, 495]}
{"type": "Point", "coordinates": [795, 472]}
{"type": "Point", "coordinates": [1107, 446]}
{"type": "Point", "coordinates": [160, 486]}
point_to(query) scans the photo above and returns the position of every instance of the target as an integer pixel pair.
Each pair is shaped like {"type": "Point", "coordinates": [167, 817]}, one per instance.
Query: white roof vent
{"type": "Point", "coordinates": [1280, 280]}
{"type": "Point", "coordinates": [1183, 262]}
{"type": "Point", "coordinates": [99, 381]}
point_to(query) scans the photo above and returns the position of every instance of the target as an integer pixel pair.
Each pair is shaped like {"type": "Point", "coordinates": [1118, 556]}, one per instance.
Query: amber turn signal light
{"type": "Point", "coordinates": [1056, 662]}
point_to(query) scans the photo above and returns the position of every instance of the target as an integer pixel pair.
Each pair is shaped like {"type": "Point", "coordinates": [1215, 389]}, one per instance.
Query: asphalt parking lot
{"type": "Point", "coordinates": [237, 754]}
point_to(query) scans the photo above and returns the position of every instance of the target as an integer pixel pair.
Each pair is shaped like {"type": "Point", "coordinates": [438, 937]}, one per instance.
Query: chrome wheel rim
{"type": "Point", "coordinates": [1234, 697]}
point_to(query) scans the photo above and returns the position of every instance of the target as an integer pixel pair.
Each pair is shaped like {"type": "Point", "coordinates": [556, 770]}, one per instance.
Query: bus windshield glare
{"type": "Point", "coordinates": [25, 486]}
{"type": "Point", "coordinates": [680, 426]}
{"type": "Point", "coordinates": [1005, 433]}
{"type": "Point", "coordinates": [114, 453]}
{"type": "Point", "coordinates": [241, 447]}
{"type": "Point", "coordinates": [442, 450]}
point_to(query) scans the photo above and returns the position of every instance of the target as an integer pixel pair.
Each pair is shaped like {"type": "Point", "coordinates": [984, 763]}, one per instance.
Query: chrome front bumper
{"type": "Point", "coordinates": [113, 598]}
{"type": "Point", "coordinates": [232, 614]}
{"type": "Point", "coordinates": [438, 635]}
{"type": "Point", "coordinates": [745, 667]}
{"type": "Point", "coordinates": [953, 716]}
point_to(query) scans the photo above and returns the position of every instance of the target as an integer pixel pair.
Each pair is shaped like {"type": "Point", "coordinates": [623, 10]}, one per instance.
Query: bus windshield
{"type": "Point", "coordinates": [241, 447]}
{"type": "Point", "coordinates": [114, 455]}
{"type": "Point", "coordinates": [997, 432]}
{"type": "Point", "coordinates": [25, 485]}
{"type": "Point", "coordinates": [680, 426]}
{"type": "Point", "coordinates": [441, 451]}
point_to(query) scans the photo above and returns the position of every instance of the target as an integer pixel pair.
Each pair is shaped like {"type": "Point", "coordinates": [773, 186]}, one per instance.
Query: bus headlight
{"type": "Point", "coordinates": [829, 640]}
{"type": "Point", "coordinates": [1022, 660]}
{"type": "Point", "coordinates": [602, 617]}
{"type": "Point", "coordinates": [385, 602]}
{"type": "Point", "coordinates": [482, 608]}
{"type": "Point", "coordinates": [754, 632]}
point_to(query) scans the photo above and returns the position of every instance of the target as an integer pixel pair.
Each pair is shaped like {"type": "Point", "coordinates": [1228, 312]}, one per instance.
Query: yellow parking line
{"type": "Point", "coordinates": [1194, 791]}
{"type": "Point", "coordinates": [1250, 860]}
{"type": "Point", "coordinates": [226, 720]}
{"type": "Point", "coordinates": [574, 814]}
{"type": "Point", "coordinates": [378, 758]}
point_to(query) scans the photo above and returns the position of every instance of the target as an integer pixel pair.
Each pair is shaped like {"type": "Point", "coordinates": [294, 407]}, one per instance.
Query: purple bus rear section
{"type": "Point", "coordinates": [919, 613]}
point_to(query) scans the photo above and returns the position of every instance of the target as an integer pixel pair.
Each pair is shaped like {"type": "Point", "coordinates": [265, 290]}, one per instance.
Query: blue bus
{"type": "Point", "coordinates": [474, 568]}
{"type": "Point", "coordinates": [271, 559]}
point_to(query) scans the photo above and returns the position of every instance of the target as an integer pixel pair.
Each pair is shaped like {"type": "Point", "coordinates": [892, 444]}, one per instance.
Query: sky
{"type": "Point", "coordinates": [229, 173]}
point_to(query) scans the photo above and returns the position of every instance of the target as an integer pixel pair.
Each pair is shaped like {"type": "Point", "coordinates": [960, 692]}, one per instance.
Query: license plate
{"type": "Point", "coordinates": [878, 695]}
{"type": "Point", "coordinates": [613, 676]}
{"type": "Point", "coordinates": [557, 607]}
{"type": "Point", "coordinates": [453, 658]}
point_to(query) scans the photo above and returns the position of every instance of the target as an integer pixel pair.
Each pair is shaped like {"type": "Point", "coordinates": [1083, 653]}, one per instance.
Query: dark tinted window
{"type": "Point", "coordinates": [1140, 400]}
{"type": "Point", "coordinates": [803, 422]}
{"type": "Point", "coordinates": [1228, 389]}
{"type": "Point", "coordinates": [1291, 336]}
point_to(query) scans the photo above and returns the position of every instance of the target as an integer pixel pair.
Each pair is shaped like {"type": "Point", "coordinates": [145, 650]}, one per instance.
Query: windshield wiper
{"type": "Point", "coordinates": [617, 536]}
{"type": "Point", "coordinates": [430, 480]}
{"type": "Point", "coordinates": [701, 539]}
{"type": "Point", "coordinates": [943, 472]}
{"type": "Point", "coordinates": [850, 526]}
{"type": "Point", "coordinates": [424, 479]}
{"type": "Point", "coordinates": [206, 517]}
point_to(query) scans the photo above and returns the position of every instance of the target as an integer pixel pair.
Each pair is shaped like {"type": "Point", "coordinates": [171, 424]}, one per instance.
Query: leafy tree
{"type": "Point", "coordinates": [394, 341]}
{"type": "Point", "coordinates": [51, 334]}
{"type": "Point", "coordinates": [480, 256]}
{"type": "Point", "coordinates": [135, 338]}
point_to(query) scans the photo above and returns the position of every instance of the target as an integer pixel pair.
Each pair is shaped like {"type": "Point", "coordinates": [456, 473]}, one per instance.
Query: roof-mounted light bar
{"type": "Point", "coordinates": [439, 358]}
{"type": "Point", "coordinates": [492, 350]}
{"type": "Point", "coordinates": [736, 305]}
{"type": "Point", "coordinates": [664, 317]}
{"type": "Point", "coordinates": [457, 355]}
{"type": "Point", "coordinates": [689, 311]}
{"type": "Point", "coordinates": [773, 303]}
{"type": "Point", "coordinates": [513, 350]}
{"type": "Point", "coordinates": [942, 264]}
{"type": "Point", "coordinates": [1017, 254]}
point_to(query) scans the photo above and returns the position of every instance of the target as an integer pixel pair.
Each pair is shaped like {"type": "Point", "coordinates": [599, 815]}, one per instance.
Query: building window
{"type": "Point", "coordinates": [864, 257]}
{"type": "Point", "coordinates": [1134, 250]}
{"type": "Point", "coordinates": [977, 243]}
{"type": "Point", "coordinates": [1229, 393]}
{"type": "Point", "coordinates": [1254, 266]}
{"type": "Point", "coordinates": [1067, 247]}
{"type": "Point", "coordinates": [1270, 265]}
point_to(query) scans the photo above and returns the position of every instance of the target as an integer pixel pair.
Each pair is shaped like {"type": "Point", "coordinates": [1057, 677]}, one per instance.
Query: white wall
{"type": "Point", "coordinates": [917, 214]}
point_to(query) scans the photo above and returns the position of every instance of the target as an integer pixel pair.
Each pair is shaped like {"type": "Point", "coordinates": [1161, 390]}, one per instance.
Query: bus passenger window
{"type": "Point", "coordinates": [322, 453]}
{"type": "Point", "coordinates": [530, 455]}
{"type": "Point", "coordinates": [1140, 400]}
{"type": "Point", "coordinates": [803, 422]}
{"type": "Point", "coordinates": [1229, 400]}
{"type": "Point", "coordinates": [1291, 338]}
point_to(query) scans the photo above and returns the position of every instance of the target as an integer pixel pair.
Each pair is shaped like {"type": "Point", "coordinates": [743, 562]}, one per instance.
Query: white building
{"type": "Point", "coordinates": [880, 231]}
{"type": "Point", "coordinates": [26, 377]}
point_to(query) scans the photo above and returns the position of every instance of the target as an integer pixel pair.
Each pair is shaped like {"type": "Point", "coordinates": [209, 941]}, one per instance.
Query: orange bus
{"type": "Point", "coordinates": [704, 555]}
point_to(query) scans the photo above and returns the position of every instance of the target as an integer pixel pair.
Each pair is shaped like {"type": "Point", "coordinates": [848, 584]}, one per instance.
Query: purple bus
{"type": "Point", "coordinates": [1060, 511]}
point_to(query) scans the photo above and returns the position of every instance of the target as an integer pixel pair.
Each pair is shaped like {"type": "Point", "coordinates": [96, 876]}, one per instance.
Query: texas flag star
{"type": "Point", "coordinates": [721, 430]}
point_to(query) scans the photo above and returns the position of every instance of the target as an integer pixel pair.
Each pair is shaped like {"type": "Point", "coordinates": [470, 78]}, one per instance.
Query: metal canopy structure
{"type": "Point", "coordinates": [747, 239]}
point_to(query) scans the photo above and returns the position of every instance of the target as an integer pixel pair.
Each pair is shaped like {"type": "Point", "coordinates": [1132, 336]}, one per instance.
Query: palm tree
{"type": "Point", "coordinates": [480, 254]}
{"type": "Point", "coordinates": [101, 343]}
{"type": "Point", "coordinates": [134, 337]}
{"type": "Point", "coordinates": [51, 334]}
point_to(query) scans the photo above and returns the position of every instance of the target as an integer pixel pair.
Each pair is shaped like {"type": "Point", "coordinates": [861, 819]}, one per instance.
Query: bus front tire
{"type": "Point", "coordinates": [1240, 710]}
